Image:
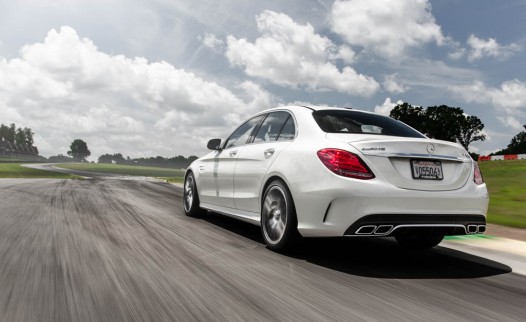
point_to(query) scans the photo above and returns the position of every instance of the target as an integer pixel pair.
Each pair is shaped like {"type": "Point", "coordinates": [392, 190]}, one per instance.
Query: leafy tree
{"type": "Point", "coordinates": [79, 150]}
{"type": "Point", "coordinates": [20, 136]}
{"type": "Point", "coordinates": [441, 122]}
{"type": "Point", "coordinates": [8, 132]}
{"type": "Point", "coordinates": [471, 131]}
{"type": "Point", "coordinates": [11, 133]}
{"type": "Point", "coordinates": [29, 136]}
{"type": "Point", "coordinates": [413, 116]}
{"type": "Point", "coordinates": [517, 144]}
{"type": "Point", "coordinates": [4, 131]}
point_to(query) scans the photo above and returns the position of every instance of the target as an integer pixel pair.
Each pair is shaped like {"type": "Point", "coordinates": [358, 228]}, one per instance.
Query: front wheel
{"type": "Point", "coordinates": [191, 198]}
{"type": "Point", "coordinates": [419, 242]}
{"type": "Point", "coordinates": [278, 217]}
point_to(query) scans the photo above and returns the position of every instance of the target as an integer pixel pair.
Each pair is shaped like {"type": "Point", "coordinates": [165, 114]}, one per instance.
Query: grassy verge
{"type": "Point", "coordinates": [15, 170]}
{"type": "Point", "coordinates": [171, 175]}
{"type": "Point", "coordinates": [506, 181]}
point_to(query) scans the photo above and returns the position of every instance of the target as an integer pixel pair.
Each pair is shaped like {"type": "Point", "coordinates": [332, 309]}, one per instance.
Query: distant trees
{"type": "Point", "coordinates": [441, 122]}
{"type": "Point", "coordinates": [174, 162]}
{"type": "Point", "coordinates": [79, 150]}
{"type": "Point", "coordinates": [19, 135]}
{"type": "Point", "coordinates": [60, 158]}
{"type": "Point", "coordinates": [112, 158]}
{"type": "Point", "coordinates": [517, 144]}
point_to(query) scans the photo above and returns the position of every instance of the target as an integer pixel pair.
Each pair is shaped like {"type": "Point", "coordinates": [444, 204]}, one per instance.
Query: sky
{"type": "Point", "coordinates": [161, 77]}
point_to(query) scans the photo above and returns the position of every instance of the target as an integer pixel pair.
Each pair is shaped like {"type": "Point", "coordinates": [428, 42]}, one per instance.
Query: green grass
{"type": "Point", "coordinates": [15, 170]}
{"type": "Point", "coordinates": [171, 175]}
{"type": "Point", "coordinates": [468, 237]}
{"type": "Point", "coordinates": [506, 181]}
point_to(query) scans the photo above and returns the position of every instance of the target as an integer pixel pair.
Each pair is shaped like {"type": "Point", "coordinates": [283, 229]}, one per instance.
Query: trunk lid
{"type": "Point", "coordinates": [413, 163]}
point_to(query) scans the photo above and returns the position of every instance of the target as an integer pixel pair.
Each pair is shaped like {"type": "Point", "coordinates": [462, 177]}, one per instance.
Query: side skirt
{"type": "Point", "coordinates": [246, 216]}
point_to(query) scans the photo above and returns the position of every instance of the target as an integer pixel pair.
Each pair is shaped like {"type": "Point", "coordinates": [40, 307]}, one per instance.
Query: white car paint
{"type": "Point", "coordinates": [232, 181]}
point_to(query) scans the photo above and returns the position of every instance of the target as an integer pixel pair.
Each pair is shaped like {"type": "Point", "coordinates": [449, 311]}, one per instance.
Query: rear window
{"type": "Point", "coordinates": [335, 121]}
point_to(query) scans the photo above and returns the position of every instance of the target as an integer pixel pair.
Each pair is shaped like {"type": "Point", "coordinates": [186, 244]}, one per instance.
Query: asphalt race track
{"type": "Point", "coordinates": [107, 249]}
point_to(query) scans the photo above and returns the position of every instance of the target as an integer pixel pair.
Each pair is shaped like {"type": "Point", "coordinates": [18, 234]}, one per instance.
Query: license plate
{"type": "Point", "coordinates": [427, 170]}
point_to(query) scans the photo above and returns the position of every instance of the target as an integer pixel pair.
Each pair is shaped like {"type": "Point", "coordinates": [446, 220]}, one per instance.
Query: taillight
{"type": "Point", "coordinates": [477, 175]}
{"type": "Point", "coordinates": [345, 164]}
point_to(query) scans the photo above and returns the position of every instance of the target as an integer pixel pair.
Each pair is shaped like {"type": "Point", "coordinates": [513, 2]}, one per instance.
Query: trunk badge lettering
{"type": "Point", "coordinates": [373, 149]}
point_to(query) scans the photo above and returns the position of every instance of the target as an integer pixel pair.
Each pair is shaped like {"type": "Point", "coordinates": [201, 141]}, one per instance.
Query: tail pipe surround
{"type": "Point", "coordinates": [384, 230]}
{"type": "Point", "coordinates": [374, 230]}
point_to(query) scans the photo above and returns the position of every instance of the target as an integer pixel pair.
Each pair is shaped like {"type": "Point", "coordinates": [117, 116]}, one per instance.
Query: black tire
{"type": "Point", "coordinates": [278, 218]}
{"type": "Point", "coordinates": [191, 198]}
{"type": "Point", "coordinates": [419, 242]}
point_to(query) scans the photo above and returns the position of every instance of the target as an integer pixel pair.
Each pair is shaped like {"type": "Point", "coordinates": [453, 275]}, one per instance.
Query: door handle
{"type": "Point", "coordinates": [233, 153]}
{"type": "Point", "coordinates": [269, 152]}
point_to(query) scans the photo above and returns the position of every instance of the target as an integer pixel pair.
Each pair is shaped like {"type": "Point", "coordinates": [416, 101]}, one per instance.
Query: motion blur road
{"type": "Point", "coordinates": [107, 249]}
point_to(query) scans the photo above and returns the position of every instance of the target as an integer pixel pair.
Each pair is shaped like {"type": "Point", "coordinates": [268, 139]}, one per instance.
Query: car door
{"type": "Point", "coordinates": [217, 170]}
{"type": "Point", "coordinates": [275, 133]}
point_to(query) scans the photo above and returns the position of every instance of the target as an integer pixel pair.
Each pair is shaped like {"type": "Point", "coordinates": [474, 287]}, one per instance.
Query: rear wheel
{"type": "Point", "coordinates": [421, 241]}
{"type": "Point", "coordinates": [191, 198]}
{"type": "Point", "coordinates": [278, 218]}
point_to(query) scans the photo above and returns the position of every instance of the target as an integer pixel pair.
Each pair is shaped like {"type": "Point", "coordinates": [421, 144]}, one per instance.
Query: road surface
{"type": "Point", "coordinates": [107, 249]}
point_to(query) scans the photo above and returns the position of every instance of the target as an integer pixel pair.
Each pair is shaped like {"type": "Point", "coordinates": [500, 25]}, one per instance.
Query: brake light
{"type": "Point", "coordinates": [477, 175]}
{"type": "Point", "coordinates": [345, 164]}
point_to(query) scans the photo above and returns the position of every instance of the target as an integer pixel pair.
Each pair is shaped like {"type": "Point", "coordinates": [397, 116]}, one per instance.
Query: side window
{"type": "Point", "coordinates": [270, 128]}
{"type": "Point", "coordinates": [241, 135]}
{"type": "Point", "coordinates": [289, 130]}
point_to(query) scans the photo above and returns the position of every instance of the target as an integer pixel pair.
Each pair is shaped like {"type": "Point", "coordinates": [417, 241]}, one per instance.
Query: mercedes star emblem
{"type": "Point", "coordinates": [430, 148]}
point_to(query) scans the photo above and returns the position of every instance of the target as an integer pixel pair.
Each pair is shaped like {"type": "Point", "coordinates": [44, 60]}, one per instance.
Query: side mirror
{"type": "Point", "coordinates": [214, 144]}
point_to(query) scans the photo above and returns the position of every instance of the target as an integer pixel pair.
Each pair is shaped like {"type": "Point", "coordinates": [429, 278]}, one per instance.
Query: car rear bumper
{"type": "Point", "coordinates": [343, 211]}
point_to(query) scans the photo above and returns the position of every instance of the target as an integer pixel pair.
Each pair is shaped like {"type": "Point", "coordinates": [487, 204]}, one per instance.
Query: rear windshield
{"type": "Point", "coordinates": [335, 121]}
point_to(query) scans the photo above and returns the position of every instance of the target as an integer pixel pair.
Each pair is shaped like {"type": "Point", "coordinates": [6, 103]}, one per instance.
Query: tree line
{"type": "Point", "coordinates": [13, 135]}
{"type": "Point", "coordinates": [174, 162]}
{"type": "Point", "coordinates": [517, 144]}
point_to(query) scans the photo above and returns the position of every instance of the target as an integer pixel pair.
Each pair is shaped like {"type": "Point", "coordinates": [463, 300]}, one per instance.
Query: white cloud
{"type": "Point", "coordinates": [511, 95]}
{"type": "Point", "coordinates": [211, 41]}
{"type": "Point", "coordinates": [385, 27]}
{"type": "Point", "coordinates": [293, 55]}
{"type": "Point", "coordinates": [393, 84]}
{"type": "Point", "coordinates": [511, 121]}
{"type": "Point", "coordinates": [346, 54]}
{"type": "Point", "coordinates": [386, 107]}
{"type": "Point", "coordinates": [479, 48]}
{"type": "Point", "coordinates": [65, 88]}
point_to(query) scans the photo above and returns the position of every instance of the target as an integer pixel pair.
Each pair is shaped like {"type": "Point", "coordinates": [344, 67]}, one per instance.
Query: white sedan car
{"type": "Point", "coordinates": [325, 172]}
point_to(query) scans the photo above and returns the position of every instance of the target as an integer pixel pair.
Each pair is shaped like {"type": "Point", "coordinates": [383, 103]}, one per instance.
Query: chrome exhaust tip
{"type": "Point", "coordinates": [383, 229]}
{"type": "Point", "coordinates": [472, 229]}
{"type": "Point", "coordinates": [481, 229]}
{"type": "Point", "coordinates": [366, 230]}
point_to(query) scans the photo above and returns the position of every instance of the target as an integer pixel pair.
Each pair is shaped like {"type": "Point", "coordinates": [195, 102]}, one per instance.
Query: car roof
{"type": "Point", "coordinates": [315, 108]}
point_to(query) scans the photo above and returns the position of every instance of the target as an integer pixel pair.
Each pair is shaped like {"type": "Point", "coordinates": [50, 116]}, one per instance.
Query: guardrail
{"type": "Point", "coordinates": [502, 157]}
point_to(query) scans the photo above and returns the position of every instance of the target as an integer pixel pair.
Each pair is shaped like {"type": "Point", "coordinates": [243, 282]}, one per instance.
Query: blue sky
{"type": "Point", "coordinates": [161, 77]}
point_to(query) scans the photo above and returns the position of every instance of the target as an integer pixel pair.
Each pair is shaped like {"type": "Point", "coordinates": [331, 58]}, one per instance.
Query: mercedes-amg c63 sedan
{"type": "Point", "coordinates": [325, 172]}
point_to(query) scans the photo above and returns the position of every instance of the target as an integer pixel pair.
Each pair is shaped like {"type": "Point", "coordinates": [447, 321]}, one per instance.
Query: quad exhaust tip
{"type": "Point", "coordinates": [476, 229]}
{"type": "Point", "coordinates": [366, 230]}
{"type": "Point", "coordinates": [387, 229]}
{"type": "Point", "coordinates": [374, 230]}
{"type": "Point", "coordinates": [383, 229]}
